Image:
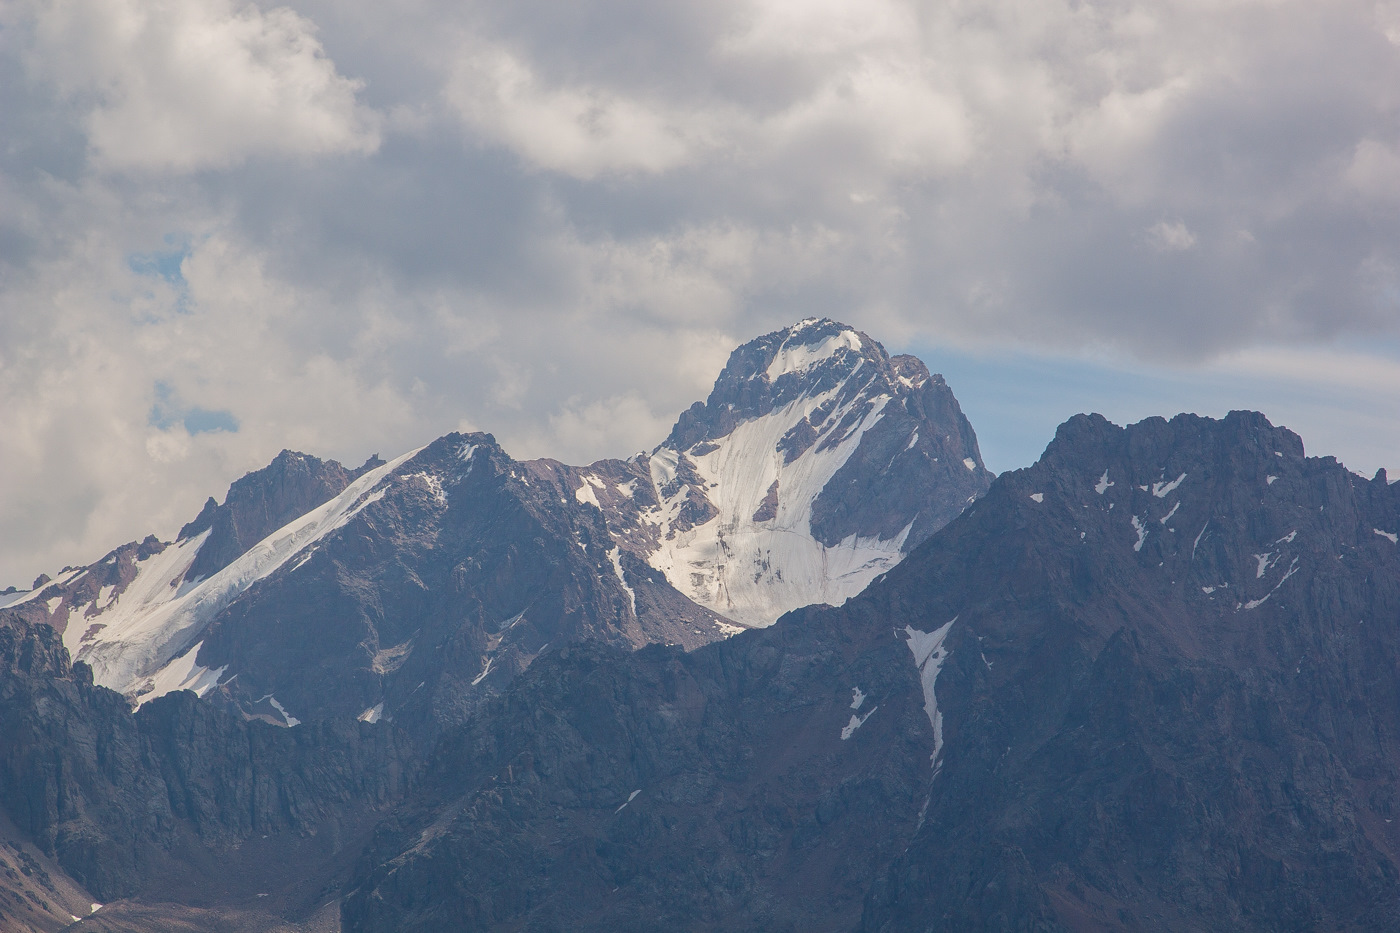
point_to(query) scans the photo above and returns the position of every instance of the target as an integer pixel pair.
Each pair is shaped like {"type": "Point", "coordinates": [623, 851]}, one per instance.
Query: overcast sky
{"type": "Point", "coordinates": [348, 227]}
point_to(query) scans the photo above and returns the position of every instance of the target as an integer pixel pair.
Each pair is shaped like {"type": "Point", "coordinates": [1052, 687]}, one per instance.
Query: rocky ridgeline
{"type": "Point", "coordinates": [413, 590]}
{"type": "Point", "coordinates": [1043, 719]}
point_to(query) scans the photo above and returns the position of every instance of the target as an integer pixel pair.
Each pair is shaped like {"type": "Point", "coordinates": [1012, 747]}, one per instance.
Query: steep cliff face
{"type": "Point", "coordinates": [182, 800]}
{"type": "Point", "coordinates": [1147, 683]}
{"type": "Point", "coordinates": [1169, 700]}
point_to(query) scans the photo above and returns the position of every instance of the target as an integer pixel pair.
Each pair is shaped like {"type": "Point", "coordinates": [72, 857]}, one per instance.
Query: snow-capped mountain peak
{"type": "Point", "coordinates": [806, 474]}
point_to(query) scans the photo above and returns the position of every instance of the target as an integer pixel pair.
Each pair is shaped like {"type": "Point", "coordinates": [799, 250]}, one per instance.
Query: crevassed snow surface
{"type": "Point", "coordinates": [151, 622]}
{"type": "Point", "coordinates": [754, 571]}
{"type": "Point", "coordinates": [929, 655]}
{"type": "Point", "coordinates": [183, 673]}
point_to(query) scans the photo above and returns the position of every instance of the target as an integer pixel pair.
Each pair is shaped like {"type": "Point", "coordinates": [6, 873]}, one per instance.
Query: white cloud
{"type": "Point", "coordinates": [578, 130]}
{"type": "Point", "coordinates": [191, 84]}
{"type": "Point", "coordinates": [569, 214]}
{"type": "Point", "coordinates": [1170, 236]}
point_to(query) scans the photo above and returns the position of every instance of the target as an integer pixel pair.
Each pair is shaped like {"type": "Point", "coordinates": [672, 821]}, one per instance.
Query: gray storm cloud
{"type": "Point", "coordinates": [350, 226]}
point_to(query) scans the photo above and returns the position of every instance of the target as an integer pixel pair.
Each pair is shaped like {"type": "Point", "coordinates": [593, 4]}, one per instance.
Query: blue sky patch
{"type": "Point", "coordinates": [167, 412]}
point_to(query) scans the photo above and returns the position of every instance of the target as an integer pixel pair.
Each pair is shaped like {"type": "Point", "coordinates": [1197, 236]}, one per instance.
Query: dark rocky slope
{"type": "Point", "coordinates": [183, 801]}
{"type": "Point", "coordinates": [1167, 700]}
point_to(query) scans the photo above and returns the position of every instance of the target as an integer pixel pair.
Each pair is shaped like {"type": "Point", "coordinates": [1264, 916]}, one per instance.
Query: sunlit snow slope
{"type": "Point", "coordinates": [814, 466]}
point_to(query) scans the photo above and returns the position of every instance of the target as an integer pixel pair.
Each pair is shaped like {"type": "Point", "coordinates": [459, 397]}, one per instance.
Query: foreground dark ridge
{"type": "Point", "coordinates": [1166, 696]}
{"type": "Point", "coordinates": [1147, 683]}
{"type": "Point", "coordinates": [1161, 664]}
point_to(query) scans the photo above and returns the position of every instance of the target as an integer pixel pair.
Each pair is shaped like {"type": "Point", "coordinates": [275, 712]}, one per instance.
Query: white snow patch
{"type": "Point", "coordinates": [929, 655]}
{"type": "Point", "coordinates": [286, 716]}
{"type": "Point", "coordinates": [914, 439]}
{"type": "Point", "coordinates": [1160, 490]}
{"type": "Point", "coordinates": [1288, 538]}
{"type": "Point", "coordinates": [95, 908]}
{"type": "Point", "coordinates": [630, 797]}
{"type": "Point", "coordinates": [52, 603]}
{"type": "Point", "coordinates": [1270, 480]}
{"type": "Point", "coordinates": [487, 669]}
{"type": "Point", "coordinates": [1391, 535]}
{"type": "Point", "coordinates": [1256, 603]}
{"type": "Point", "coordinates": [1207, 590]}
{"type": "Point", "coordinates": [152, 623]}
{"type": "Point", "coordinates": [182, 673]}
{"type": "Point", "coordinates": [373, 714]}
{"type": "Point", "coordinates": [1199, 535]}
{"type": "Point", "coordinates": [466, 451]}
{"type": "Point", "coordinates": [104, 595]}
{"type": "Point", "coordinates": [585, 495]}
{"type": "Point", "coordinates": [970, 464]}
{"type": "Point", "coordinates": [856, 722]}
{"type": "Point", "coordinates": [12, 599]}
{"type": "Point", "coordinates": [728, 628]}
{"type": "Point", "coordinates": [1264, 562]}
{"type": "Point", "coordinates": [1038, 497]}
{"type": "Point", "coordinates": [797, 358]}
{"type": "Point", "coordinates": [753, 572]}
{"type": "Point", "coordinates": [857, 698]}
{"type": "Point", "coordinates": [1102, 485]}
{"type": "Point", "coordinates": [1141, 530]}
{"type": "Point", "coordinates": [616, 557]}
{"type": "Point", "coordinates": [1165, 518]}
{"type": "Point", "coordinates": [433, 483]}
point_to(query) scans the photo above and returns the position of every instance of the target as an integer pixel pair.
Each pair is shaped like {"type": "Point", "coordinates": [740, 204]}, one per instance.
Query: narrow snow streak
{"type": "Point", "coordinates": [1141, 530]}
{"type": "Point", "coordinates": [616, 557]}
{"type": "Point", "coordinates": [1160, 490]}
{"type": "Point", "coordinates": [1256, 603]}
{"type": "Point", "coordinates": [150, 624]}
{"type": "Point", "coordinates": [855, 723]}
{"type": "Point", "coordinates": [929, 655]}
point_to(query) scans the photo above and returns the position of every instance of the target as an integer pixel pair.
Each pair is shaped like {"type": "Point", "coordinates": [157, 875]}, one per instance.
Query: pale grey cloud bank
{"type": "Point", "coordinates": [345, 227]}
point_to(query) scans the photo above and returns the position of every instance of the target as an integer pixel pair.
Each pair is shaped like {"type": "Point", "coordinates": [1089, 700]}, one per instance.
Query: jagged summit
{"type": "Point", "coordinates": [817, 462]}
{"type": "Point", "coordinates": [813, 357]}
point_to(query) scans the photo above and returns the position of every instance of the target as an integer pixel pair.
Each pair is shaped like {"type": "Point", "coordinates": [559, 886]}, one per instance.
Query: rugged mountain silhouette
{"type": "Point", "coordinates": [1146, 683]}
{"type": "Point", "coordinates": [413, 589]}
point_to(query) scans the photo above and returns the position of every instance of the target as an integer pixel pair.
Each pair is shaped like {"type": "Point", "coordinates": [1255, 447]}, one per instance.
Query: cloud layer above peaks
{"type": "Point", "coordinates": [349, 226]}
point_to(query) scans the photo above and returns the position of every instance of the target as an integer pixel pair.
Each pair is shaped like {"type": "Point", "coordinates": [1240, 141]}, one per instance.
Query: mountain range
{"type": "Point", "coordinates": [804, 665]}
